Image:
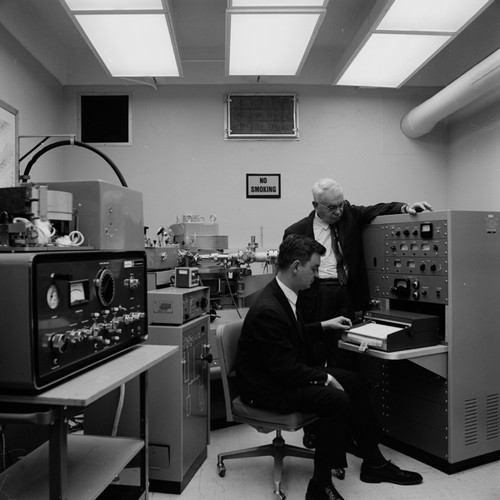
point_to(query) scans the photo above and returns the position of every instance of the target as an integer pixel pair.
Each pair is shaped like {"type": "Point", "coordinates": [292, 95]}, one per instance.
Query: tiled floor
{"type": "Point", "coordinates": [252, 478]}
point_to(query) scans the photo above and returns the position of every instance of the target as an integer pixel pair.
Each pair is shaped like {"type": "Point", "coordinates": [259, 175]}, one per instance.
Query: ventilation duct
{"type": "Point", "coordinates": [477, 82]}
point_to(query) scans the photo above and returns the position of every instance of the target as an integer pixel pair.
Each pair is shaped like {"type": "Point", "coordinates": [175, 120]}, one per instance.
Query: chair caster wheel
{"type": "Point", "coordinates": [340, 473]}
{"type": "Point", "coordinates": [221, 469]}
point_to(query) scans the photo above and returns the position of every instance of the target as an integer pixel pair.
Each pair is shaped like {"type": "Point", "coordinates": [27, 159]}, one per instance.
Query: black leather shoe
{"type": "Point", "coordinates": [309, 440]}
{"type": "Point", "coordinates": [325, 493]}
{"type": "Point", "coordinates": [388, 473]}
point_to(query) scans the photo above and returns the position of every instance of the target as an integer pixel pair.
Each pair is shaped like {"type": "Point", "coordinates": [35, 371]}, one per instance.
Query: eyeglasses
{"type": "Point", "coordinates": [332, 208]}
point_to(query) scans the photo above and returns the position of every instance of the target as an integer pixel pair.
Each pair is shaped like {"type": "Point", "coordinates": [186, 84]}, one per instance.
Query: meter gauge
{"type": "Point", "coordinates": [78, 292]}
{"type": "Point", "coordinates": [53, 297]}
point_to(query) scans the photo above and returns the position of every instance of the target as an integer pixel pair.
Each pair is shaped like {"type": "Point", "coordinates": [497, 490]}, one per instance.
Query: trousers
{"type": "Point", "coordinates": [341, 413]}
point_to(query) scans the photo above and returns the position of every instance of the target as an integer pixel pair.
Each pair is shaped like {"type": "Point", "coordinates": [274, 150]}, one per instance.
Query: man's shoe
{"type": "Point", "coordinates": [309, 440]}
{"type": "Point", "coordinates": [388, 473]}
{"type": "Point", "coordinates": [325, 493]}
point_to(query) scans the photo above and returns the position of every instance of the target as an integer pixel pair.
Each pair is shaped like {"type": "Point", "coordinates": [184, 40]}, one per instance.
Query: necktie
{"type": "Point", "coordinates": [341, 274]}
{"type": "Point", "coordinates": [300, 321]}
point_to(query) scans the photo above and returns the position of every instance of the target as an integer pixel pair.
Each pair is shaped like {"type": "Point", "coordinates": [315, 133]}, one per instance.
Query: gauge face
{"type": "Point", "coordinates": [78, 292]}
{"type": "Point", "coordinates": [52, 297]}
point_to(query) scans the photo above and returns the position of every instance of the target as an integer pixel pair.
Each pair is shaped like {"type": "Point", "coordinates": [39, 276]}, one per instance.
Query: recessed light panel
{"type": "Point", "coordinates": [277, 3]}
{"type": "Point", "coordinates": [269, 43]}
{"type": "Point", "coordinates": [404, 35]}
{"type": "Point", "coordinates": [386, 60]}
{"type": "Point", "coordinates": [430, 15]}
{"type": "Point", "coordinates": [132, 45]}
{"type": "Point", "coordinates": [114, 4]}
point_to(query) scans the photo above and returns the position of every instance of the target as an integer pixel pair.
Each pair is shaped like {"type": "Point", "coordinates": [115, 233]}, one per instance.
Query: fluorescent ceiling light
{"type": "Point", "coordinates": [403, 35]}
{"type": "Point", "coordinates": [270, 41]}
{"type": "Point", "coordinates": [132, 38]}
{"type": "Point", "coordinates": [278, 3]}
{"type": "Point", "coordinates": [114, 4]}
{"type": "Point", "coordinates": [386, 60]}
{"type": "Point", "coordinates": [430, 15]}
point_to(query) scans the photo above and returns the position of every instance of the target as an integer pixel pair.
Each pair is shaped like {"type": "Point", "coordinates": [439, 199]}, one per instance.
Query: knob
{"type": "Point", "coordinates": [422, 266]}
{"type": "Point", "coordinates": [87, 332]}
{"type": "Point", "coordinates": [132, 283]}
{"type": "Point", "coordinates": [415, 284]}
{"type": "Point", "coordinates": [416, 295]}
{"type": "Point", "coordinates": [75, 336]}
{"type": "Point", "coordinates": [206, 355]}
{"type": "Point", "coordinates": [406, 232]}
{"type": "Point", "coordinates": [59, 342]}
{"type": "Point", "coordinates": [433, 267]}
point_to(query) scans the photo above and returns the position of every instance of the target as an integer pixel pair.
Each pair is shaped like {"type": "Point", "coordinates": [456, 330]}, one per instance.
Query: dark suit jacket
{"type": "Point", "coordinates": [274, 358]}
{"type": "Point", "coordinates": [350, 228]}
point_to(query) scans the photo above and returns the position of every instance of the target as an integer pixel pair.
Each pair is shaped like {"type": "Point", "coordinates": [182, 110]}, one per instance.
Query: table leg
{"type": "Point", "coordinates": [144, 432]}
{"type": "Point", "coordinates": [58, 457]}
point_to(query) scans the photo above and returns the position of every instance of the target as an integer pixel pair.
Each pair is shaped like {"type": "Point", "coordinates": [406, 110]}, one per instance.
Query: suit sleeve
{"type": "Point", "coordinates": [279, 354]}
{"type": "Point", "coordinates": [365, 214]}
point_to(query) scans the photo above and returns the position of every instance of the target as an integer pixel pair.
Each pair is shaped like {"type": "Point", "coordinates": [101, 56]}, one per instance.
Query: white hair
{"type": "Point", "coordinates": [323, 185]}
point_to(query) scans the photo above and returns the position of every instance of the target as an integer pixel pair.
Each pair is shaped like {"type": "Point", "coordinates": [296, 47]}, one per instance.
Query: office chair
{"type": "Point", "coordinates": [265, 421]}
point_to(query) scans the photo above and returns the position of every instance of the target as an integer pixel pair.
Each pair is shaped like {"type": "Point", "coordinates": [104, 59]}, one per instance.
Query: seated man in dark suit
{"type": "Point", "coordinates": [276, 370]}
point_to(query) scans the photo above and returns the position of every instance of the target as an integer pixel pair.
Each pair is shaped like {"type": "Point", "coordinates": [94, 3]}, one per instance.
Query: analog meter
{"type": "Point", "coordinates": [52, 297]}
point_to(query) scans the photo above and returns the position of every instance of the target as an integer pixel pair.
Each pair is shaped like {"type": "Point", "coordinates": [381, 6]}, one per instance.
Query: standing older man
{"type": "Point", "coordinates": [276, 369]}
{"type": "Point", "coordinates": [342, 284]}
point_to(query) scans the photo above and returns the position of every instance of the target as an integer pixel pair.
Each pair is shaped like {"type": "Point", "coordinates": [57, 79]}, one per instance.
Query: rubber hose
{"type": "Point", "coordinates": [68, 142]}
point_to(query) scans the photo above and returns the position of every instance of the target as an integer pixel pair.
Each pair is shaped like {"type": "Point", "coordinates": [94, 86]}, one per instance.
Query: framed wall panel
{"type": "Point", "coordinates": [9, 154]}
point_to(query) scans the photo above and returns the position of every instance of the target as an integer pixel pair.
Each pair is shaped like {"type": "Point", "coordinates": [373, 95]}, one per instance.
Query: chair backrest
{"type": "Point", "coordinates": [227, 336]}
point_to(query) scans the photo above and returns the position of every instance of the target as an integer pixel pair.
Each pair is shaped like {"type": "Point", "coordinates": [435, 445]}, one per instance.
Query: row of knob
{"type": "Point", "coordinates": [414, 247]}
{"type": "Point", "coordinates": [402, 289]}
{"type": "Point", "coordinates": [100, 333]}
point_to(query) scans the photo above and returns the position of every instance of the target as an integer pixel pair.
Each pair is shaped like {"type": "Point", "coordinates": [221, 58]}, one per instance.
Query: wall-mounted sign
{"type": "Point", "coordinates": [263, 185]}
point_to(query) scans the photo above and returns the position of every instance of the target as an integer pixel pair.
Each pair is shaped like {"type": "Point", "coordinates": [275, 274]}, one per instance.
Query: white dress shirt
{"type": "Point", "coordinates": [290, 295]}
{"type": "Point", "coordinates": [323, 235]}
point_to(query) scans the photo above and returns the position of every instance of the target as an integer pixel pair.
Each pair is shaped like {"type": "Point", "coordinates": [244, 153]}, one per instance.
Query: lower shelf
{"type": "Point", "coordinates": [93, 463]}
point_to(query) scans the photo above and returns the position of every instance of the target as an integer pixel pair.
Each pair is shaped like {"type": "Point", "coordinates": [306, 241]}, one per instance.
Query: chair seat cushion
{"type": "Point", "coordinates": [262, 418]}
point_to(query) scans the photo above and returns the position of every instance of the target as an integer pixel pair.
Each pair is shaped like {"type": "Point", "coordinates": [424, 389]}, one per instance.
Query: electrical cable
{"type": "Point", "coordinates": [231, 292]}
{"type": "Point", "coordinates": [3, 449]}
{"type": "Point", "coordinates": [69, 142]}
{"type": "Point", "coordinates": [118, 411]}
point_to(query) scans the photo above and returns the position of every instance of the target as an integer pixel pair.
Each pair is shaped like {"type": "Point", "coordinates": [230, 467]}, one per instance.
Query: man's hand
{"type": "Point", "coordinates": [332, 381]}
{"type": "Point", "coordinates": [418, 206]}
{"type": "Point", "coordinates": [338, 323]}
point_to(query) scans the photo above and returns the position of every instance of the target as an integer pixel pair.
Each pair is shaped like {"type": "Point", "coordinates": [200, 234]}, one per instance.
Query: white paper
{"type": "Point", "coordinates": [374, 330]}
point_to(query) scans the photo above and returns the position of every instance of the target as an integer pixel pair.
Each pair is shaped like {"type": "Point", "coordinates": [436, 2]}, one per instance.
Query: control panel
{"type": "Point", "coordinates": [64, 311]}
{"type": "Point", "coordinates": [407, 258]}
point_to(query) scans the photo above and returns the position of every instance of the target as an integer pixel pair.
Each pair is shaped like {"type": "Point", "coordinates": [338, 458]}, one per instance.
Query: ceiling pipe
{"type": "Point", "coordinates": [477, 82]}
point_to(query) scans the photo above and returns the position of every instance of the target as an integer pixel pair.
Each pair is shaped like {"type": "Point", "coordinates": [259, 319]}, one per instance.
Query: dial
{"type": "Point", "coordinates": [105, 286]}
{"type": "Point", "coordinates": [52, 297]}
